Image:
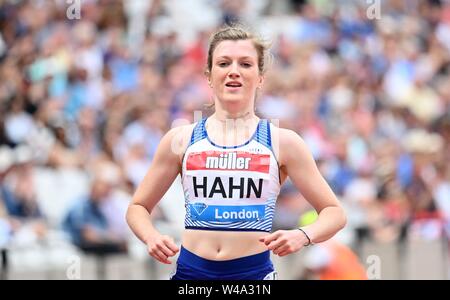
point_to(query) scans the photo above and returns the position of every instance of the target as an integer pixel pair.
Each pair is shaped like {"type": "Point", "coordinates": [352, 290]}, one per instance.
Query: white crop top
{"type": "Point", "coordinates": [230, 187]}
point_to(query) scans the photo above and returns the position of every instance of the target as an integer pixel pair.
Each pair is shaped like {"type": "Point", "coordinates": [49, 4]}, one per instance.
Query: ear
{"type": "Point", "coordinates": [261, 81]}
{"type": "Point", "coordinates": [208, 77]}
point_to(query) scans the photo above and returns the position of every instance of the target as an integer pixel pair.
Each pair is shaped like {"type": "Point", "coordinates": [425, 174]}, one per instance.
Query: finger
{"type": "Point", "coordinates": [263, 238]}
{"type": "Point", "coordinates": [154, 253]}
{"type": "Point", "coordinates": [280, 249]}
{"type": "Point", "coordinates": [171, 245]}
{"type": "Point", "coordinates": [284, 253]}
{"type": "Point", "coordinates": [160, 256]}
{"type": "Point", "coordinates": [272, 237]}
{"type": "Point", "coordinates": [275, 244]}
{"type": "Point", "coordinates": [165, 250]}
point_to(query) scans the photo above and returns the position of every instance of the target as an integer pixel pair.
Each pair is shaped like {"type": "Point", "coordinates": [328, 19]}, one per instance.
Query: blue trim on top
{"type": "Point", "coordinates": [263, 134]}
{"type": "Point", "coordinates": [273, 152]}
{"type": "Point", "coordinates": [224, 229]}
{"type": "Point", "coordinates": [199, 132]}
{"type": "Point", "coordinates": [238, 146]}
{"type": "Point", "coordinates": [269, 136]}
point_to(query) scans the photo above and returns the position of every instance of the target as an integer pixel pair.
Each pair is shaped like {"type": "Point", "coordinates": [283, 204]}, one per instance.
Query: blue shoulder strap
{"type": "Point", "coordinates": [199, 132]}
{"type": "Point", "coordinates": [263, 134]}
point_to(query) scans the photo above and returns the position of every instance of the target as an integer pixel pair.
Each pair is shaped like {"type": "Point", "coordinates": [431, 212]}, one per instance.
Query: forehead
{"type": "Point", "coordinates": [235, 49]}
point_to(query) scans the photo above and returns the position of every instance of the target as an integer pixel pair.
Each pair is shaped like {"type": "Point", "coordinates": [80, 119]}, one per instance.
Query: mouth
{"type": "Point", "coordinates": [233, 84]}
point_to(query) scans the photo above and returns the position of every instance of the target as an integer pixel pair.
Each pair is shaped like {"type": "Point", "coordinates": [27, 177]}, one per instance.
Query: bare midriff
{"type": "Point", "coordinates": [223, 245]}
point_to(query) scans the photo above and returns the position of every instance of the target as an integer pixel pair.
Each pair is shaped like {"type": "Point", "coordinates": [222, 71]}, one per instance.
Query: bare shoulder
{"type": "Point", "coordinates": [178, 138]}
{"type": "Point", "coordinates": [182, 130]}
{"type": "Point", "coordinates": [287, 144]}
{"type": "Point", "coordinates": [286, 134]}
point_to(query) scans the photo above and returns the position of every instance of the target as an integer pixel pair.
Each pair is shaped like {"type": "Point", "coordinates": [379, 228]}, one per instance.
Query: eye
{"type": "Point", "coordinates": [223, 64]}
{"type": "Point", "coordinates": [246, 64]}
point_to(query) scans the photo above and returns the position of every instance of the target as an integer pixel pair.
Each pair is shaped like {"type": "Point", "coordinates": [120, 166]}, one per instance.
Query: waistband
{"type": "Point", "coordinates": [237, 265]}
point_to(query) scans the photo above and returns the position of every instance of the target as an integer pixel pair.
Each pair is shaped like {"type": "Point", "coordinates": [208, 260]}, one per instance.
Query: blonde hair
{"type": "Point", "coordinates": [236, 32]}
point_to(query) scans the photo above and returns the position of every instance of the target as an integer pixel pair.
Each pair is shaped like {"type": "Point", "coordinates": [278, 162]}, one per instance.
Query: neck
{"type": "Point", "coordinates": [227, 116]}
{"type": "Point", "coordinates": [234, 111]}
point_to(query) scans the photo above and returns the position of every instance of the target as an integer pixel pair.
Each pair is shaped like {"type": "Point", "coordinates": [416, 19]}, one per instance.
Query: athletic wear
{"type": "Point", "coordinates": [230, 187]}
{"type": "Point", "coordinates": [253, 267]}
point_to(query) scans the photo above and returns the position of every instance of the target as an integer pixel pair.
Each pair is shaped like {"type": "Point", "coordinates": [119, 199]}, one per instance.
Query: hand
{"type": "Point", "coordinates": [284, 242]}
{"type": "Point", "coordinates": [161, 247]}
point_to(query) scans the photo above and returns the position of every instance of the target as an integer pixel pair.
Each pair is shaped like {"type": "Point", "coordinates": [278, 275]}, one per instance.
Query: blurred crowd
{"type": "Point", "coordinates": [93, 95]}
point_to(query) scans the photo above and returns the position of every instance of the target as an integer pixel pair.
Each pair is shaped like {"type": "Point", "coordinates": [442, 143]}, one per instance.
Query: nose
{"type": "Point", "coordinates": [234, 71]}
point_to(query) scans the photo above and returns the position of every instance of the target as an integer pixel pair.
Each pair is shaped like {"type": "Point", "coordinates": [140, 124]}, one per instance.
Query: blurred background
{"type": "Point", "coordinates": [88, 88]}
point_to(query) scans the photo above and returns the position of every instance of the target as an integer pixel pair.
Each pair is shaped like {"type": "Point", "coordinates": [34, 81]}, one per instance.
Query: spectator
{"type": "Point", "coordinates": [19, 198]}
{"type": "Point", "coordinates": [88, 225]}
{"type": "Point", "coordinates": [331, 260]}
{"type": "Point", "coordinates": [108, 86]}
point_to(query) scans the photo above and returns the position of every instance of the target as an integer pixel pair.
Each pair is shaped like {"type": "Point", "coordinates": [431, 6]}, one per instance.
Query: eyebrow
{"type": "Point", "coordinates": [241, 57]}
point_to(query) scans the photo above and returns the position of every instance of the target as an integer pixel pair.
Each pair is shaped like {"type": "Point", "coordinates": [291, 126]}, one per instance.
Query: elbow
{"type": "Point", "coordinates": [135, 211]}
{"type": "Point", "coordinates": [130, 213]}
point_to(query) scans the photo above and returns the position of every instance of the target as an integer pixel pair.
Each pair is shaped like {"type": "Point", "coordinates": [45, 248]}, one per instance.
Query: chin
{"type": "Point", "coordinates": [233, 99]}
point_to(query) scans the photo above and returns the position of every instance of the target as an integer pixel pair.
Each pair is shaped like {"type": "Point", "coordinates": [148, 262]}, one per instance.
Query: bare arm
{"type": "Point", "coordinates": [301, 168]}
{"type": "Point", "coordinates": [306, 177]}
{"type": "Point", "coordinates": [165, 167]}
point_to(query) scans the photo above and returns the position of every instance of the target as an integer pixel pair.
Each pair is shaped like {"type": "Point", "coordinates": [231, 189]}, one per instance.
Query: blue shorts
{"type": "Point", "coordinates": [193, 267]}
